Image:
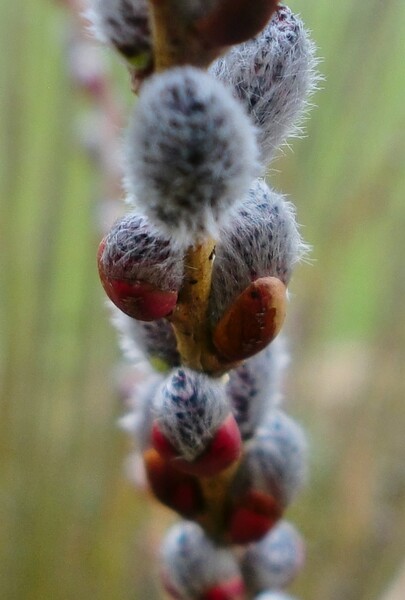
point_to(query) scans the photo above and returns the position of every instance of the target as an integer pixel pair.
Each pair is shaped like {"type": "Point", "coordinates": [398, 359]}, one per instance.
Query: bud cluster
{"type": "Point", "coordinates": [216, 444]}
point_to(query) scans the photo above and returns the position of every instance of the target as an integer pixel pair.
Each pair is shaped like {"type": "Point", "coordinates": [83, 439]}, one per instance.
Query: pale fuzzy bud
{"type": "Point", "coordinates": [140, 269]}
{"type": "Point", "coordinates": [189, 409]}
{"type": "Point", "coordinates": [138, 422]}
{"type": "Point", "coordinates": [134, 471]}
{"type": "Point", "coordinates": [261, 240]}
{"type": "Point", "coordinates": [273, 75]}
{"type": "Point", "coordinates": [192, 564]}
{"type": "Point", "coordinates": [254, 387]}
{"type": "Point", "coordinates": [136, 250]}
{"type": "Point", "coordinates": [275, 459]}
{"type": "Point", "coordinates": [86, 66]}
{"type": "Point", "coordinates": [152, 340]}
{"type": "Point", "coordinates": [274, 595]}
{"type": "Point", "coordinates": [89, 132]}
{"type": "Point", "coordinates": [273, 562]}
{"type": "Point", "coordinates": [191, 153]}
{"type": "Point", "coordinates": [124, 25]}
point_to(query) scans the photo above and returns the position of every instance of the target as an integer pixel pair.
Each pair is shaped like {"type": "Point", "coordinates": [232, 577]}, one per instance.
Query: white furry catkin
{"type": "Point", "coordinates": [124, 25]}
{"type": "Point", "coordinates": [260, 240]}
{"type": "Point", "coordinates": [254, 387]}
{"type": "Point", "coordinates": [192, 563]}
{"type": "Point", "coordinates": [191, 153]}
{"type": "Point", "coordinates": [189, 409]}
{"type": "Point", "coordinates": [275, 459]}
{"type": "Point", "coordinates": [273, 562]}
{"type": "Point", "coordinates": [272, 74]}
{"type": "Point", "coordinates": [274, 595]}
{"type": "Point", "coordinates": [136, 250]}
{"type": "Point", "coordinates": [152, 340]}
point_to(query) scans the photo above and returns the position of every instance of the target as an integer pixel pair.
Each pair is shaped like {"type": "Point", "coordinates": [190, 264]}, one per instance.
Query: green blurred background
{"type": "Point", "coordinates": [71, 526]}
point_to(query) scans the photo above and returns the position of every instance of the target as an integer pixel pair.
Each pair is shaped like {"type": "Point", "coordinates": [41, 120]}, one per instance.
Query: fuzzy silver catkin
{"type": "Point", "coordinates": [136, 250]}
{"type": "Point", "coordinates": [281, 455]}
{"type": "Point", "coordinates": [191, 153]}
{"type": "Point", "coordinates": [273, 562]}
{"type": "Point", "coordinates": [192, 563]}
{"type": "Point", "coordinates": [273, 75]}
{"type": "Point", "coordinates": [254, 386]}
{"type": "Point", "coordinates": [123, 24]}
{"type": "Point", "coordinates": [274, 595]}
{"type": "Point", "coordinates": [275, 459]}
{"type": "Point", "coordinates": [260, 240]}
{"type": "Point", "coordinates": [152, 340]}
{"type": "Point", "coordinates": [189, 408]}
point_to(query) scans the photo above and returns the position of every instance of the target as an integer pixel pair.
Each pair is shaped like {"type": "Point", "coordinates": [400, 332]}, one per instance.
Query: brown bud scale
{"type": "Point", "coordinates": [253, 320]}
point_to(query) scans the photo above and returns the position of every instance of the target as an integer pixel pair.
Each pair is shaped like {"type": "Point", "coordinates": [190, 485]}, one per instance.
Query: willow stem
{"type": "Point", "coordinates": [190, 319]}
{"type": "Point", "coordinates": [216, 496]}
{"type": "Point", "coordinates": [174, 45]}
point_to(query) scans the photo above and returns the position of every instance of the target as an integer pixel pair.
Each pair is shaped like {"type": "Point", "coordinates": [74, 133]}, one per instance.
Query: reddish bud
{"type": "Point", "coordinates": [253, 320]}
{"type": "Point", "coordinates": [235, 21]}
{"type": "Point", "coordinates": [138, 299]}
{"type": "Point", "coordinates": [177, 490]}
{"type": "Point", "coordinates": [228, 590]}
{"type": "Point", "coordinates": [252, 517]}
{"type": "Point", "coordinates": [223, 450]}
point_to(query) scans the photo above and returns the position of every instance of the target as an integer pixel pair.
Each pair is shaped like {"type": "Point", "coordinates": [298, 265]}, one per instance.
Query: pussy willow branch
{"type": "Point", "coordinates": [190, 317]}
{"type": "Point", "coordinates": [173, 45]}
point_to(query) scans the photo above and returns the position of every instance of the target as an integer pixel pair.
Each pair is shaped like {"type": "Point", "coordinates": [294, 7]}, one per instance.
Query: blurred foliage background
{"type": "Point", "coordinates": [71, 525]}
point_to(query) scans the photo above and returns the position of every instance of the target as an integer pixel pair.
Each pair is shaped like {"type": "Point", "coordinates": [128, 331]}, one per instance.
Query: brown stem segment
{"type": "Point", "coordinates": [190, 318]}
{"type": "Point", "coordinates": [190, 314]}
{"type": "Point", "coordinates": [216, 502]}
